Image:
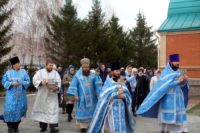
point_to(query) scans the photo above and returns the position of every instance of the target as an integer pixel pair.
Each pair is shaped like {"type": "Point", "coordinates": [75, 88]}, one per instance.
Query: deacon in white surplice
{"type": "Point", "coordinates": [46, 108]}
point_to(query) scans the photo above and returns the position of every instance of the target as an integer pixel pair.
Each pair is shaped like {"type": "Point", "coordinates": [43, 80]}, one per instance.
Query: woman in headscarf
{"type": "Point", "coordinates": [68, 100]}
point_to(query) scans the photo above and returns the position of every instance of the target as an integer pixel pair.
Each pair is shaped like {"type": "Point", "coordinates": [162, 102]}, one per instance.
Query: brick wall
{"type": "Point", "coordinates": [188, 46]}
{"type": "Point", "coordinates": [194, 88]}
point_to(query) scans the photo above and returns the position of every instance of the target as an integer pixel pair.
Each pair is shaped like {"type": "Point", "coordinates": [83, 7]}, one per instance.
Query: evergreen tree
{"type": "Point", "coordinates": [70, 39]}
{"type": "Point", "coordinates": [64, 36]}
{"type": "Point", "coordinates": [5, 26]}
{"type": "Point", "coordinates": [120, 49]}
{"type": "Point", "coordinates": [145, 51]}
{"type": "Point", "coordinates": [5, 36]}
{"type": "Point", "coordinates": [96, 40]}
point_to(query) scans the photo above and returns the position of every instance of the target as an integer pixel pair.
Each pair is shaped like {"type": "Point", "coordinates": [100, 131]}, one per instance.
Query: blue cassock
{"type": "Point", "coordinates": [87, 89]}
{"type": "Point", "coordinates": [168, 97]}
{"type": "Point", "coordinates": [15, 105]}
{"type": "Point", "coordinates": [113, 114]}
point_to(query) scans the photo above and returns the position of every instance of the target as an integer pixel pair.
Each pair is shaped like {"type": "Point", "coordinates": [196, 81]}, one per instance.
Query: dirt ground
{"type": "Point", "coordinates": [195, 110]}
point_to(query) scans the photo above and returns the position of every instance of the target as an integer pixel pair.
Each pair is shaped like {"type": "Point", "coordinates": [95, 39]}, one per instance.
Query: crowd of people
{"type": "Point", "coordinates": [139, 81]}
{"type": "Point", "coordinates": [106, 98]}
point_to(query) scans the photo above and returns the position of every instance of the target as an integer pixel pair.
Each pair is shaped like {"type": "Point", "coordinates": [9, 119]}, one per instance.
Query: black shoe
{"type": "Point", "coordinates": [15, 130]}
{"type": "Point", "coordinates": [83, 130]}
{"type": "Point", "coordinates": [10, 130]}
{"type": "Point", "coordinates": [43, 130]}
{"type": "Point", "coordinates": [53, 130]}
{"type": "Point", "coordinates": [69, 120]}
{"type": "Point", "coordinates": [71, 117]}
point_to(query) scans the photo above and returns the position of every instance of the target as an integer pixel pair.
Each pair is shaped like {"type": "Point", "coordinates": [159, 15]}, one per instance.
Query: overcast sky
{"type": "Point", "coordinates": [155, 11]}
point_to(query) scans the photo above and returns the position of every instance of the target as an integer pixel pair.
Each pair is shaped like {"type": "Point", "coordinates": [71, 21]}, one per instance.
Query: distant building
{"type": "Point", "coordinates": [180, 33]}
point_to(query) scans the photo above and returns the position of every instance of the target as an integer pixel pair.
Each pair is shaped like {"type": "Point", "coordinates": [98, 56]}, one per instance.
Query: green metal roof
{"type": "Point", "coordinates": [182, 15]}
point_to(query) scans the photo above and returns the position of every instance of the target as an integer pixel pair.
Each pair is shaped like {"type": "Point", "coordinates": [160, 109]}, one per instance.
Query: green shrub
{"type": "Point", "coordinates": [31, 72]}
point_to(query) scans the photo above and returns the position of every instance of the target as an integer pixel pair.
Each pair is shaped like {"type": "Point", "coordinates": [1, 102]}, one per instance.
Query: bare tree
{"type": "Point", "coordinates": [29, 28]}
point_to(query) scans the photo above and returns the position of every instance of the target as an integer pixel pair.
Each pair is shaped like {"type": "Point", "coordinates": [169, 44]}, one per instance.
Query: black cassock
{"type": "Point", "coordinates": [141, 90]}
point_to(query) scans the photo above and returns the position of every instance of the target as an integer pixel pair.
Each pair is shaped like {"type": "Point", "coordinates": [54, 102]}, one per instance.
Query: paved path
{"type": "Point", "coordinates": [143, 125]}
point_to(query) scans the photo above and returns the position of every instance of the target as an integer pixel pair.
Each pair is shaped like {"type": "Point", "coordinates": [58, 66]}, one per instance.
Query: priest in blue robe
{"type": "Point", "coordinates": [113, 112]}
{"type": "Point", "coordinates": [15, 81]}
{"type": "Point", "coordinates": [85, 86]}
{"type": "Point", "coordinates": [168, 99]}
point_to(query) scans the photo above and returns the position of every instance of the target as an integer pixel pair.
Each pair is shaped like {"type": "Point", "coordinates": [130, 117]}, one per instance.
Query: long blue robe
{"type": "Point", "coordinates": [15, 105]}
{"type": "Point", "coordinates": [168, 98]}
{"type": "Point", "coordinates": [113, 114]}
{"type": "Point", "coordinates": [2, 118]}
{"type": "Point", "coordinates": [88, 95]}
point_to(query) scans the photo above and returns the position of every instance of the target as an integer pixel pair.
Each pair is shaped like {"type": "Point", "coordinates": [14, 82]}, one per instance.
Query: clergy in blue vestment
{"type": "Point", "coordinates": [15, 81]}
{"type": "Point", "coordinates": [168, 99]}
{"type": "Point", "coordinates": [85, 86]}
{"type": "Point", "coordinates": [113, 112]}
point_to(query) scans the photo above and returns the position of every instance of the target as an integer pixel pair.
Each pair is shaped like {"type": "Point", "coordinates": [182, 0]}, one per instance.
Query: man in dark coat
{"type": "Point", "coordinates": [142, 88]}
{"type": "Point", "coordinates": [103, 73]}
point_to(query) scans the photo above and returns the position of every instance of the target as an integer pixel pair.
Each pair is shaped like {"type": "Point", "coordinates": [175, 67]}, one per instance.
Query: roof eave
{"type": "Point", "coordinates": [179, 30]}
